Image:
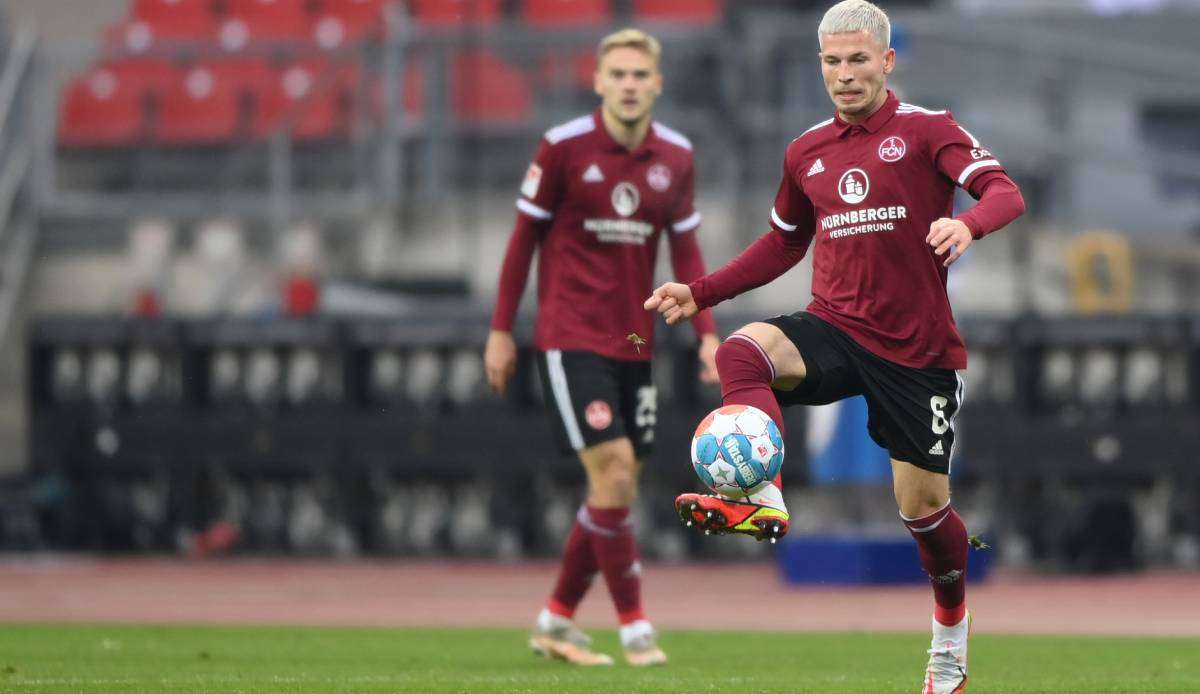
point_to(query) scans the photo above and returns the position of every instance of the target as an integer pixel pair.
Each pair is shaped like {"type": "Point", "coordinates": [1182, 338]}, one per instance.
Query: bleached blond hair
{"type": "Point", "coordinates": [630, 38]}
{"type": "Point", "coordinates": [857, 15]}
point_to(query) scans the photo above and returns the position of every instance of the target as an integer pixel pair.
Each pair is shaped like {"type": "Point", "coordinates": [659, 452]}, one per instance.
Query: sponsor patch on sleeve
{"type": "Point", "coordinates": [533, 179]}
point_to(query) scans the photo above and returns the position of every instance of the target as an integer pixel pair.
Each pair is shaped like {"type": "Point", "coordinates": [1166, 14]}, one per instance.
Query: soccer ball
{"type": "Point", "coordinates": [737, 450]}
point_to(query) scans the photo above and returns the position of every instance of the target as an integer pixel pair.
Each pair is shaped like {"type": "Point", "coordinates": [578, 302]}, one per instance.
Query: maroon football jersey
{"type": "Point", "coordinates": [607, 208]}
{"type": "Point", "coordinates": [867, 194]}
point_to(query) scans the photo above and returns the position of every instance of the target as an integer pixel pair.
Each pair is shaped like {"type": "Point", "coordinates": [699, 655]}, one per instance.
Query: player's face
{"type": "Point", "coordinates": [855, 68]}
{"type": "Point", "coordinates": [628, 82]}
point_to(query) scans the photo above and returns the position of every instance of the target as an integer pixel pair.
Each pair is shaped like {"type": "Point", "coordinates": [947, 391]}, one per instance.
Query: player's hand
{"type": "Point", "coordinates": [499, 359]}
{"type": "Point", "coordinates": [945, 234]}
{"type": "Point", "coordinates": [674, 301]}
{"type": "Point", "coordinates": [708, 358]}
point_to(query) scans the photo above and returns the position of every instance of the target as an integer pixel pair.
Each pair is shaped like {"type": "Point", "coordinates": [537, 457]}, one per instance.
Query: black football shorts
{"type": "Point", "coordinates": [910, 411]}
{"type": "Point", "coordinates": [592, 399]}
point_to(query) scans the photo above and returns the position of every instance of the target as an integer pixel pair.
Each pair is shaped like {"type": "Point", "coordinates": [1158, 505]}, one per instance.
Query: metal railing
{"type": "Point", "coordinates": [18, 231]}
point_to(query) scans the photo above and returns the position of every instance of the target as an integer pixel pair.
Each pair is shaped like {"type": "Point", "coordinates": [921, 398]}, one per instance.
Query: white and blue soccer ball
{"type": "Point", "coordinates": [737, 450]}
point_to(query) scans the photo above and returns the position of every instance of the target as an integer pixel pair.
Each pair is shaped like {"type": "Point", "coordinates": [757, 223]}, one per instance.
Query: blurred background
{"type": "Point", "coordinates": [249, 249]}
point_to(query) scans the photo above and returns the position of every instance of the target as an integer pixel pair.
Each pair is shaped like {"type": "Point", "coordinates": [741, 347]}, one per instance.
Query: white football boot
{"type": "Point", "coordinates": [640, 642]}
{"type": "Point", "coordinates": [555, 636]}
{"type": "Point", "coordinates": [946, 672]}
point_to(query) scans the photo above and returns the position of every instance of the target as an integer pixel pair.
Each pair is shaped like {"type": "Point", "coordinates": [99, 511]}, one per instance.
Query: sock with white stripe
{"type": "Point", "coordinates": [942, 543]}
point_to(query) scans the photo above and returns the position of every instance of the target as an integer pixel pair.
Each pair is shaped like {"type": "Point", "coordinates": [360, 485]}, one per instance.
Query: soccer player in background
{"type": "Point", "coordinates": [601, 192]}
{"type": "Point", "coordinates": [872, 189]}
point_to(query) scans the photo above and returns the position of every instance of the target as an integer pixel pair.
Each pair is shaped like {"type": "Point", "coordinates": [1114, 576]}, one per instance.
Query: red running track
{"type": "Point", "coordinates": [406, 593]}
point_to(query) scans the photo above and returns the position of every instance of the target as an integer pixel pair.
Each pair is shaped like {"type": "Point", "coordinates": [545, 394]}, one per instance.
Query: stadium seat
{"type": "Point", "coordinates": [205, 106]}
{"type": "Point", "coordinates": [448, 13]}
{"type": "Point", "coordinates": [102, 108]}
{"type": "Point", "coordinates": [311, 95]}
{"type": "Point", "coordinates": [168, 13]}
{"type": "Point", "coordinates": [690, 11]}
{"type": "Point", "coordinates": [139, 36]}
{"type": "Point", "coordinates": [545, 14]}
{"type": "Point", "coordinates": [488, 90]}
{"type": "Point", "coordinates": [250, 22]}
{"type": "Point", "coordinates": [349, 21]}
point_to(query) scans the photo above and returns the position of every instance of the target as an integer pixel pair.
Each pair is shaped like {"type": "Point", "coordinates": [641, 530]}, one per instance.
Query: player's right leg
{"type": "Point", "coordinates": [786, 360]}
{"type": "Point", "coordinates": [750, 362]}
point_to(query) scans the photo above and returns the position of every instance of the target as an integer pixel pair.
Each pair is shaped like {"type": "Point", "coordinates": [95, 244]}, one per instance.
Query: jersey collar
{"type": "Point", "coordinates": [875, 121]}
{"type": "Point", "coordinates": [648, 146]}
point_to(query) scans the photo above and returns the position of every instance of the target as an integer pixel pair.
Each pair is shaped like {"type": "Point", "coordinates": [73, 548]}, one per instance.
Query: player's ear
{"type": "Point", "coordinates": [889, 61]}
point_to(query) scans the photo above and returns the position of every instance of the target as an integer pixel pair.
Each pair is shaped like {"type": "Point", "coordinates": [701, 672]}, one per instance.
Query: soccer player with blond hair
{"type": "Point", "coordinates": [872, 191]}
{"type": "Point", "coordinates": [602, 191]}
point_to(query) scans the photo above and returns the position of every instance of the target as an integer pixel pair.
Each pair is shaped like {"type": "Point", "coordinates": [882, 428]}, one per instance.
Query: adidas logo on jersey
{"type": "Point", "coordinates": [593, 174]}
{"type": "Point", "coordinates": [816, 168]}
{"type": "Point", "coordinates": [937, 449]}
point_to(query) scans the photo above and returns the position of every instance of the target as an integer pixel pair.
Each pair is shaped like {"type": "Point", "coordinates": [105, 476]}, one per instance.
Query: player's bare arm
{"type": "Point", "coordinates": [500, 359]}
{"type": "Point", "coordinates": [951, 235]}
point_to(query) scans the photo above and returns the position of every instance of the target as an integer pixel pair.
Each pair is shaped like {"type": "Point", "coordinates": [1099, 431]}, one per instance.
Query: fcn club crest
{"type": "Point", "coordinates": [659, 178]}
{"type": "Point", "coordinates": [892, 149]}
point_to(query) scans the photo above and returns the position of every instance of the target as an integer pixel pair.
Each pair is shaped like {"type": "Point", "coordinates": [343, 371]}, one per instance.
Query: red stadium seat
{"type": "Point", "coordinates": [446, 13]}
{"type": "Point", "coordinates": [204, 107]}
{"type": "Point", "coordinates": [558, 13]}
{"type": "Point", "coordinates": [357, 11]}
{"type": "Point", "coordinates": [173, 12]}
{"type": "Point", "coordinates": [311, 96]}
{"type": "Point", "coordinates": [488, 90]}
{"type": "Point", "coordinates": [691, 11]}
{"type": "Point", "coordinates": [270, 21]}
{"type": "Point", "coordinates": [349, 21]}
{"type": "Point", "coordinates": [147, 75]}
{"type": "Point", "coordinates": [102, 108]}
{"type": "Point", "coordinates": [139, 36]}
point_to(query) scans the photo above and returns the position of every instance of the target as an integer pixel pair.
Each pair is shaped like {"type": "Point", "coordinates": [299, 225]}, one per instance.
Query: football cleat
{"type": "Point", "coordinates": [640, 642]}
{"type": "Point", "coordinates": [557, 637]}
{"type": "Point", "coordinates": [946, 672]}
{"type": "Point", "coordinates": [720, 515]}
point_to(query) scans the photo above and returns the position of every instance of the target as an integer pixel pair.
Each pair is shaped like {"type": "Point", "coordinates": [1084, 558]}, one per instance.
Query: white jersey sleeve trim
{"type": "Point", "coordinates": [533, 210]}
{"type": "Point", "coordinates": [780, 223]}
{"type": "Point", "coordinates": [966, 173]}
{"type": "Point", "coordinates": [572, 128]}
{"type": "Point", "coordinates": [671, 135]}
{"type": "Point", "coordinates": [688, 224]}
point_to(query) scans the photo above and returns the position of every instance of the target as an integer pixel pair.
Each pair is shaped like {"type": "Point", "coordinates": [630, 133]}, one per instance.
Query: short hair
{"type": "Point", "coordinates": [630, 38]}
{"type": "Point", "coordinates": [857, 15]}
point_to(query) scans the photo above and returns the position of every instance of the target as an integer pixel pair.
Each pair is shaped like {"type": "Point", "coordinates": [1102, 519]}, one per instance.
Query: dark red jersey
{"type": "Point", "coordinates": [865, 195]}
{"type": "Point", "coordinates": [597, 212]}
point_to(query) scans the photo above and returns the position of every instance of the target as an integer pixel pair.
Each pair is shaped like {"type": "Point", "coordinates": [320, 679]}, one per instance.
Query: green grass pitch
{"type": "Point", "coordinates": [103, 658]}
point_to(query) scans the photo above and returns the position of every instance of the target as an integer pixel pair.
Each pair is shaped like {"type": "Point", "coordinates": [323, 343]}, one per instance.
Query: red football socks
{"type": "Point", "coordinates": [576, 571]}
{"type": "Point", "coordinates": [746, 375]}
{"type": "Point", "coordinates": [942, 543]}
{"type": "Point", "coordinates": [615, 551]}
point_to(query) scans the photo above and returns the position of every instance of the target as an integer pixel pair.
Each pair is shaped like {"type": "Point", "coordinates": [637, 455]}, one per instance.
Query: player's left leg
{"type": "Point", "coordinates": [924, 500]}
{"type": "Point", "coordinates": [613, 471]}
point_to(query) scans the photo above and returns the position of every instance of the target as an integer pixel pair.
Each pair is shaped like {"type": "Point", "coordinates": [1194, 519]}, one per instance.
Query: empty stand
{"type": "Point", "coordinates": [487, 89]}
{"type": "Point", "coordinates": [691, 11]}
{"type": "Point", "coordinates": [545, 14]}
{"type": "Point", "coordinates": [203, 107]}
{"type": "Point", "coordinates": [310, 97]}
{"type": "Point", "coordinates": [106, 106]}
{"type": "Point", "coordinates": [448, 13]}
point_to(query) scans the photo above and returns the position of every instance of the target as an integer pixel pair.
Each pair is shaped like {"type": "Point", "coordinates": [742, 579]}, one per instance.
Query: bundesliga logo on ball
{"type": "Point", "coordinates": [737, 450]}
